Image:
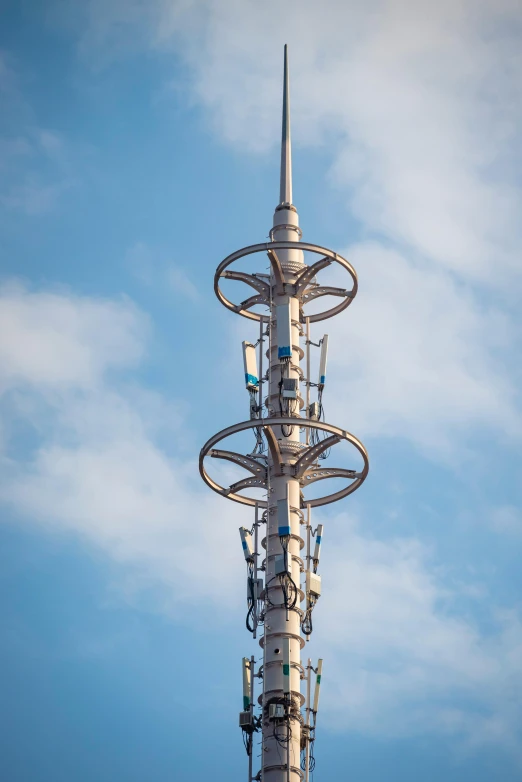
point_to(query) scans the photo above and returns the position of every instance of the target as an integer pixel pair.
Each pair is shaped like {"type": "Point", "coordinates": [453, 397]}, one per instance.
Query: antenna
{"type": "Point", "coordinates": [246, 683]}
{"type": "Point", "coordinates": [317, 686]}
{"type": "Point", "coordinates": [246, 542]}
{"type": "Point", "coordinates": [318, 541]}
{"type": "Point", "coordinates": [250, 365]}
{"type": "Point", "coordinates": [284, 330]}
{"type": "Point", "coordinates": [322, 361]}
{"type": "Point", "coordinates": [290, 441]}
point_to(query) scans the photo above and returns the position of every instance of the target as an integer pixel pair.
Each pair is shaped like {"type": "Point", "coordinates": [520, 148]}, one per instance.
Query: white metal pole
{"type": "Point", "coordinates": [308, 707]}
{"type": "Point", "coordinates": [280, 624]}
{"type": "Point", "coordinates": [256, 554]}
{"type": "Point", "coordinates": [308, 376]}
{"type": "Point", "coordinates": [261, 342]}
{"type": "Point", "coordinates": [308, 537]}
{"type": "Point", "coordinates": [250, 757]}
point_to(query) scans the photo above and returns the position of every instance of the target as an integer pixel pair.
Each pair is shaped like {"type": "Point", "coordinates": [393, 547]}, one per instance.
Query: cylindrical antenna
{"type": "Point", "coordinates": [246, 684]}
{"type": "Point", "coordinates": [322, 361]}
{"type": "Point", "coordinates": [283, 516]}
{"type": "Point", "coordinates": [284, 331]}
{"type": "Point", "coordinates": [250, 365]}
{"type": "Point", "coordinates": [286, 667]}
{"type": "Point", "coordinates": [317, 685]}
{"type": "Point", "coordinates": [246, 542]}
{"type": "Point", "coordinates": [317, 548]}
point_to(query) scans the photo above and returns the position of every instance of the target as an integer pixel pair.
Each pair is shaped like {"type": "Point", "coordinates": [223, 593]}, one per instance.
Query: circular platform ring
{"type": "Point", "coordinates": [264, 247]}
{"type": "Point", "coordinates": [284, 421]}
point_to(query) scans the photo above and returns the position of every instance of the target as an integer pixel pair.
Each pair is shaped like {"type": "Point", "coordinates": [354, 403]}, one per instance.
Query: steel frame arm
{"type": "Point", "coordinates": [273, 446]}
{"type": "Point", "coordinates": [251, 302]}
{"type": "Point", "coordinates": [311, 454]}
{"type": "Point", "coordinates": [250, 464]}
{"type": "Point", "coordinates": [309, 273]}
{"type": "Point", "coordinates": [249, 279]}
{"type": "Point", "coordinates": [326, 290]}
{"type": "Point", "coordinates": [311, 475]}
{"type": "Point", "coordinates": [276, 268]}
{"type": "Point", "coordinates": [247, 483]}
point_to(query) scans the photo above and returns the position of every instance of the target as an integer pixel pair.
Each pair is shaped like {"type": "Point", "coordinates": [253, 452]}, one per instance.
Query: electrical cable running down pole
{"type": "Point", "coordinates": [290, 442]}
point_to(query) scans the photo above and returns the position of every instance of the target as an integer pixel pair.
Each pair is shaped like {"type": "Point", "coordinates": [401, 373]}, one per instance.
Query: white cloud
{"type": "Point", "coordinates": [420, 106]}
{"type": "Point", "coordinates": [149, 266]}
{"type": "Point", "coordinates": [37, 163]}
{"type": "Point", "coordinates": [390, 625]}
{"type": "Point", "coordinates": [418, 356]}
{"type": "Point", "coordinates": [401, 644]}
{"type": "Point", "coordinates": [141, 263]}
{"type": "Point", "coordinates": [33, 197]}
{"type": "Point", "coordinates": [507, 520]}
{"type": "Point", "coordinates": [98, 469]}
{"type": "Point", "coordinates": [419, 102]}
{"type": "Point", "coordinates": [181, 284]}
{"type": "Point", "coordinates": [51, 339]}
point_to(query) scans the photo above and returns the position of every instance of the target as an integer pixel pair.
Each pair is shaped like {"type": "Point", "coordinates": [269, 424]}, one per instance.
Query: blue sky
{"type": "Point", "coordinates": [138, 147]}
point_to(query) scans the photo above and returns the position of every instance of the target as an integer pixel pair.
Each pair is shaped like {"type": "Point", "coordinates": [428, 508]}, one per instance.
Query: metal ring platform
{"type": "Point", "coordinates": [307, 295]}
{"type": "Point", "coordinates": [286, 421]}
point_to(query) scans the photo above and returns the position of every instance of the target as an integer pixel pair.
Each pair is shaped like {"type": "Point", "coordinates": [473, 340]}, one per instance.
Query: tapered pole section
{"type": "Point", "coordinates": [285, 192]}
{"type": "Point", "coordinates": [282, 742]}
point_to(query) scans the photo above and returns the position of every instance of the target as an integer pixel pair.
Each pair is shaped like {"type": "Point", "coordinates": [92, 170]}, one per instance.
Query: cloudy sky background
{"type": "Point", "coordinates": [138, 147]}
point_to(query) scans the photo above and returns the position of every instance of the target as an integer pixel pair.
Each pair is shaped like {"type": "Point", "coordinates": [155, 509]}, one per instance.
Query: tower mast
{"type": "Point", "coordinates": [291, 440]}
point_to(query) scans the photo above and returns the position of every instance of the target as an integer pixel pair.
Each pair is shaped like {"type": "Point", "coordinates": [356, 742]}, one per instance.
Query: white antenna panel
{"type": "Point", "coordinates": [284, 331]}
{"type": "Point", "coordinates": [318, 685]}
{"type": "Point", "coordinates": [318, 539]}
{"type": "Point", "coordinates": [250, 364]}
{"type": "Point", "coordinates": [322, 361]}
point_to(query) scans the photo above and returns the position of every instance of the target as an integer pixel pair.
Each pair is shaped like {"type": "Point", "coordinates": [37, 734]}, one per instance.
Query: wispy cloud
{"type": "Point", "coordinates": [181, 284]}
{"type": "Point", "coordinates": [152, 268]}
{"type": "Point", "coordinates": [507, 520]}
{"type": "Point", "coordinates": [428, 360]}
{"type": "Point", "coordinates": [419, 104]}
{"type": "Point", "coordinates": [36, 162]}
{"type": "Point", "coordinates": [402, 644]}
{"type": "Point", "coordinates": [50, 339]}
{"type": "Point", "coordinates": [32, 197]}
{"type": "Point", "coordinates": [398, 640]}
{"type": "Point", "coordinates": [98, 468]}
{"type": "Point", "coordinates": [420, 107]}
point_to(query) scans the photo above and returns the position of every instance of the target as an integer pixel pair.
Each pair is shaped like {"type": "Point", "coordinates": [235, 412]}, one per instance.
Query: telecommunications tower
{"type": "Point", "coordinates": [285, 453]}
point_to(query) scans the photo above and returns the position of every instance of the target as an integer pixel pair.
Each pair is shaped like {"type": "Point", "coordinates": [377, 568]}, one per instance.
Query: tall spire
{"type": "Point", "coordinates": [285, 192]}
